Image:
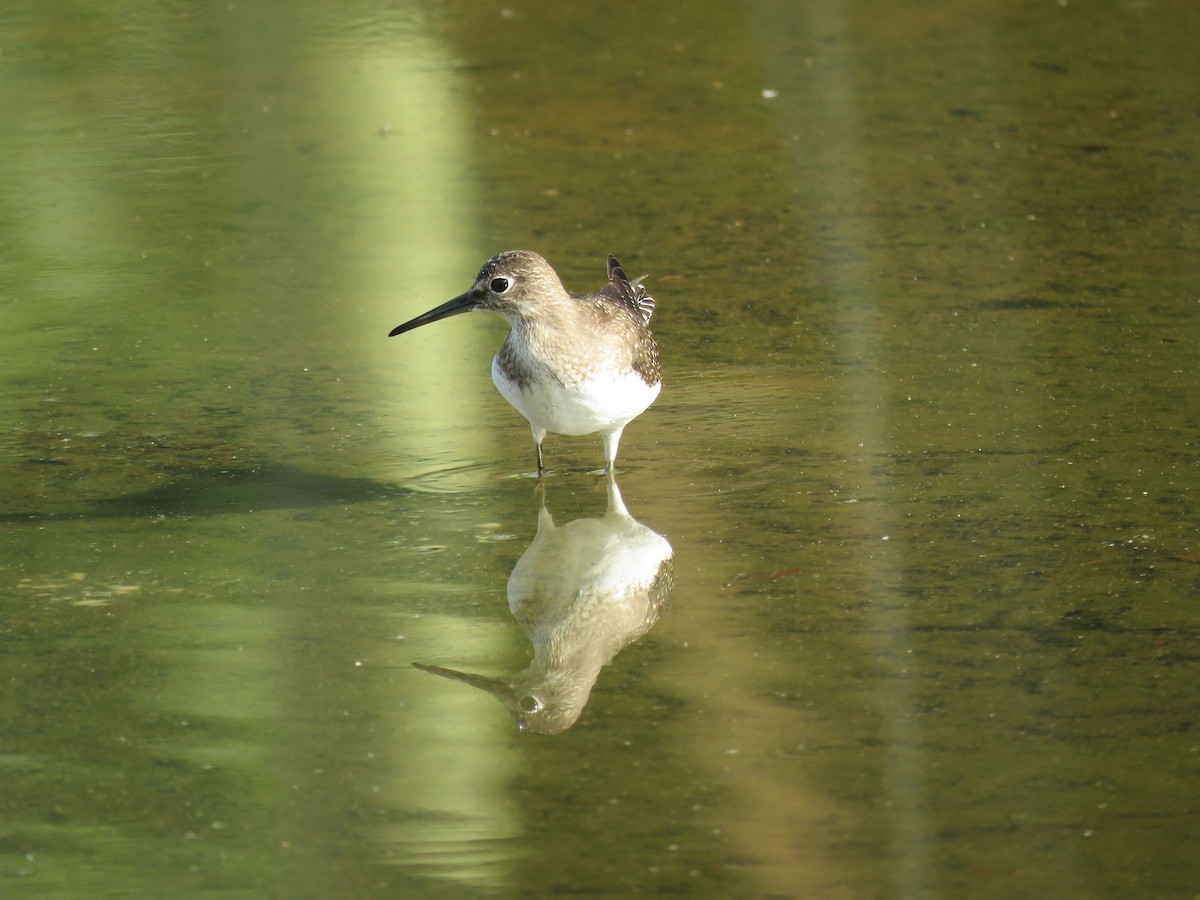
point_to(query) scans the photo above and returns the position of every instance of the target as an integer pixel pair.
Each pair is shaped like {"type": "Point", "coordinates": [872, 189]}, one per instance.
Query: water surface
{"type": "Point", "coordinates": [924, 463]}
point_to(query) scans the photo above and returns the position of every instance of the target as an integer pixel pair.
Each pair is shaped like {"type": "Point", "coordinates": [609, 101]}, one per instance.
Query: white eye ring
{"type": "Point", "coordinates": [500, 285]}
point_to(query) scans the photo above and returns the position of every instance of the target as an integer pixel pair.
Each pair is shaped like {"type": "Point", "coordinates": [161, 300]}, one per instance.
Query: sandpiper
{"type": "Point", "coordinates": [571, 364]}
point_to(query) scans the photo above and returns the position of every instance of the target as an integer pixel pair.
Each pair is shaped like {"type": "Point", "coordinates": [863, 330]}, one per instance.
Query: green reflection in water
{"type": "Point", "coordinates": [212, 207]}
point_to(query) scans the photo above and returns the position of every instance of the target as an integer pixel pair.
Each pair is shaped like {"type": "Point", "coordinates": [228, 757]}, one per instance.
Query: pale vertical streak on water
{"type": "Point", "coordinates": [840, 249]}
{"type": "Point", "coordinates": [453, 819]}
{"type": "Point", "coordinates": [425, 251]}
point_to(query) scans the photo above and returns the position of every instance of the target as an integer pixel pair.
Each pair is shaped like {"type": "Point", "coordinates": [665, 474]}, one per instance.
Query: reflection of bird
{"type": "Point", "coordinates": [570, 364]}
{"type": "Point", "coordinates": [581, 593]}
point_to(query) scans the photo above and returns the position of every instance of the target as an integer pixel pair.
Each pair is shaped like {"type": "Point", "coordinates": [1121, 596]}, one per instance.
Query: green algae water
{"type": "Point", "coordinates": [925, 460]}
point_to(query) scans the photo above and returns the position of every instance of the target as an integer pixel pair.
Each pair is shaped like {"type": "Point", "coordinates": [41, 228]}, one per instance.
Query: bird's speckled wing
{"type": "Point", "coordinates": [629, 294]}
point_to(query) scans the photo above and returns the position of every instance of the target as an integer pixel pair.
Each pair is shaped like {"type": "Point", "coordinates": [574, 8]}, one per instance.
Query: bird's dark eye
{"type": "Point", "coordinates": [500, 285]}
{"type": "Point", "coordinates": [529, 703]}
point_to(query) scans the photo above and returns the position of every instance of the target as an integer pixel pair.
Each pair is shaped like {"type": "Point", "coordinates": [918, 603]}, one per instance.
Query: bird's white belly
{"type": "Point", "coordinates": [598, 403]}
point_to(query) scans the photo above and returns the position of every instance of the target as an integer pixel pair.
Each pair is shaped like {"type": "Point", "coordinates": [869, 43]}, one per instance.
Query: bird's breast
{"type": "Point", "coordinates": [579, 402]}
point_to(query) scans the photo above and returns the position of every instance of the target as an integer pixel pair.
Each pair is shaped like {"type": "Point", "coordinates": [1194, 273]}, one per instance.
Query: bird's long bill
{"type": "Point", "coordinates": [495, 688]}
{"type": "Point", "coordinates": [460, 304]}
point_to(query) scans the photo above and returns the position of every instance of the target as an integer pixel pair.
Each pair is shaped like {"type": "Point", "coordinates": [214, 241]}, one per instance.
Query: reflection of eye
{"type": "Point", "coordinates": [500, 285]}
{"type": "Point", "coordinates": [530, 704]}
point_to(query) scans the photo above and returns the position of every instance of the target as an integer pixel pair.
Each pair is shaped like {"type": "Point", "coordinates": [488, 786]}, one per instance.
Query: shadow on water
{"type": "Point", "coordinates": [225, 491]}
{"type": "Point", "coordinates": [582, 592]}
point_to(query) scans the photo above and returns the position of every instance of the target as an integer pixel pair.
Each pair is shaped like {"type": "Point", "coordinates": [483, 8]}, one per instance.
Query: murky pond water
{"type": "Point", "coordinates": [894, 594]}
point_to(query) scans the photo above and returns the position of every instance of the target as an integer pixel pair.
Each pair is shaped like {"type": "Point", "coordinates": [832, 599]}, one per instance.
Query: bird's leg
{"type": "Point", "coordinates": [541, 468]}
{"type": "Point", "coordinates": [611, 440]}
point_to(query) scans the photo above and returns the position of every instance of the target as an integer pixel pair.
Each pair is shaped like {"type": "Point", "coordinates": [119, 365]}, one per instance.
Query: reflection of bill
{"type": "Point", "coordinates": [581, 593]}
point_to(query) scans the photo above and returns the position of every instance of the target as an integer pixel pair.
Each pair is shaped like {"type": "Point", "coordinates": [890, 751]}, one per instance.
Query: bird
{"type": "Point", "coordinates": [571, 364]}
